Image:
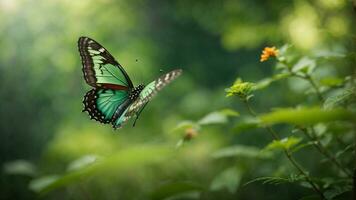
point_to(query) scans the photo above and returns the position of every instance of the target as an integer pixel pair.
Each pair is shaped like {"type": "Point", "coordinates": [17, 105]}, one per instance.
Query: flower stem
{"type": "Point", "coordinates": [308, 78]}
{"type": "Point", "coordinates": [288, 154]}
{"type": "Point", "coordinates": [317, 144]}
{"type": "Point", "coordinates": [312, 82]}
{"type": "Point", "coordinates": [249, 108]}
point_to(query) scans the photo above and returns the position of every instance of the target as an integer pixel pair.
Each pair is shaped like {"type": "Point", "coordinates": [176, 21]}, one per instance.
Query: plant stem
{"type": "Point", "coordinates": [308, 78]}
{"type": "Point", "coordinates": [249, 108]}
{"type": "Point", "coordinates": [312, 82]}
{"type": "Point", "coordinates": [288, 154]}
{"type": "Point", "coordinates": [317, 144]}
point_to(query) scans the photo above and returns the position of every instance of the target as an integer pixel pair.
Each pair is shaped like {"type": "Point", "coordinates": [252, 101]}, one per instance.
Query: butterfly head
{"type": "Point", "coordinates": [134, 94]}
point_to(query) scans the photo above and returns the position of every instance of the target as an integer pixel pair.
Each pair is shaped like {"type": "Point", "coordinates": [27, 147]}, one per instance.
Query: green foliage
{"type": "Point", "coordinates": [277, 180]}
{"type": "Point", "coordinates": [228, 179]}
{"type": "Point", "coordinates": [240, 151]}
{"type": "Point", "coordinates": [246, 124]}
{"type": "Point", "coordinates": [337, 110]}
{"type": "Point", "coordinates": [218, 117]}
{"type": "Point", "coordinates": [285, 143]}
{"type": "Point", "coordinates": [340, 99]}
{"type": "Point", "coordinates": [122, 161]}
{"type": "Point", "coordinates": [303, 107]}
{"type": "Point", "coordinates": [306, 116]}
{"type": "Point", "coordinates": [177, 189]}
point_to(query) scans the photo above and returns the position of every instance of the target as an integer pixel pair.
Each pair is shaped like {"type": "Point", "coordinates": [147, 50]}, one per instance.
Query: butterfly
{"type": "Point", "coordinates": [113, 98]}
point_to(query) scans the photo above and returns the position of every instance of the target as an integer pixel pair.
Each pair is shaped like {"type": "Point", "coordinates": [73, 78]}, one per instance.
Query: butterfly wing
{"type": "Point", "coordinates": [100, 68]}
{"type": "Point", "coordinates": [101, 104]}
{"type": "Point", "coordinates": [110, 81]}
{"type": "Point", "coordinates": [146, 95]}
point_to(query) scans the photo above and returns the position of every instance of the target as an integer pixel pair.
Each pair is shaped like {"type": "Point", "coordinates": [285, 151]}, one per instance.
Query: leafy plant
{"type": "Point", "coordinates": [315, 125]}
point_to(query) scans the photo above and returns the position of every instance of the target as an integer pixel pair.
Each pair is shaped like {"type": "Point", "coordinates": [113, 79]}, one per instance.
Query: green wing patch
{"type": "Point", "coordinates": [100, 69]}
{"type": "Point", "coordinates": [101, 104]}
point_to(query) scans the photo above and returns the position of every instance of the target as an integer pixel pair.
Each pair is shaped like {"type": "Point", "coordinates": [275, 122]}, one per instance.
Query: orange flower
{"type": "Point", "coordinates": [268, 52]}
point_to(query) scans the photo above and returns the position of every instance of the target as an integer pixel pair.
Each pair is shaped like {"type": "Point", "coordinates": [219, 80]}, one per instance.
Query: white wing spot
{"type": "Point", "coordinates": [166, 78]}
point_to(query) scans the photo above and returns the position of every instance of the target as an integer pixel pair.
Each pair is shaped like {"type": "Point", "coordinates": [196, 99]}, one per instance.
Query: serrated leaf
{"type": "Point", "coordinates": [275, 180]}
{"type": "Point", "coordinates": [268, 180]}
{"type": "Point", "coordinates": [340, 98]}
{"type": "Point", "coordinates": [306, 116]}
{"type": "Point", "coordinates": [20, 167]}
{"type": "Point", "coordinates": [285, 143]}
{"type": "Point", "coordinates": [170, 190]}
{"type": "Point", "coordinates": [229, 179]}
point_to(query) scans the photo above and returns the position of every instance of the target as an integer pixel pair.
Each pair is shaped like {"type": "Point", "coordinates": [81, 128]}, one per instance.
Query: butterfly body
{"type": "Point", "coordinates": [113, 98]}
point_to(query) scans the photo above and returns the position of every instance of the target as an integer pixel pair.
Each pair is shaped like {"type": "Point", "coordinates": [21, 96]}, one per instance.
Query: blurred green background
{"type": "Point", "coordinates": [214, 42]}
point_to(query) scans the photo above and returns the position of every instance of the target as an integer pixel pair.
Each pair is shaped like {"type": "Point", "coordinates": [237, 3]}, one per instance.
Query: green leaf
{"type": "Point", "coordinates": [127, 159]}
{"type": "Point", "coordinates": [182, 126]}
{"type": "Point", "coordinates": [240, 151]}
{"type": "Point", "coordinates": [82, 162]}
{"type": "Point", "coordinates": [331, 194]}
{"type": "Point", "coordinates": [39, 184]}
{"type": "Point", "coordinates": [305, 65]}
{"type": "Point", "coordinates": [284, 56]}
{"type": "Point", "coordinates": [170, 190]}
{"type": "Point", "coordinates": [275, 180]}
{"type": "Point", "coordinates": [344, 150]}
{"type": "Point", "coordinates": [20, 167]}
{"type": "Point", "coordinates": [267, 81]}
{"type": "Point", "coordinates": [229, 112]}
{"type": "Point", "coordinates": [302, 146]}
{"type": "Point", "coordinates": [246, 124]}
{"type": "Point", "coordinates": [340, 98]}
{"type": "Point", "coordinates": [263, 83]}
{"type": "Point", "coordinates": [331, 81]}
{"type": "Point", "coordinates": [229, 179]}
{"type": "Point", "coordinates": [268, 180]}
{"type": "Point", "coordinates": [285, 143]}
{"type": "Point", "coordinates": [306, 116]}
{"type": "Point", "coordinates": [213, 118]}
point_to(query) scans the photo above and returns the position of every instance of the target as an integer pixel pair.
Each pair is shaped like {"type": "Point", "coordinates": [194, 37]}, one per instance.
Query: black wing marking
{"type": "Point", "coordinates": [90, 106]}
{"type": "Point", "coordinates": [84, 44]}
